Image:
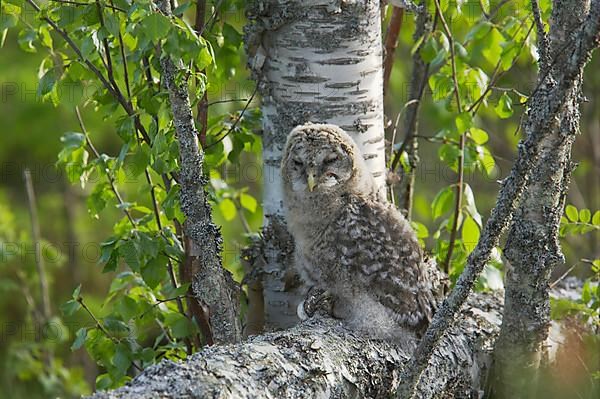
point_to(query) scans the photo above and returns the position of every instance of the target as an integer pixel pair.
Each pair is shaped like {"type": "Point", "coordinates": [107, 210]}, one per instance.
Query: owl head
{"type": "Point", "coordinates": [320, 159]}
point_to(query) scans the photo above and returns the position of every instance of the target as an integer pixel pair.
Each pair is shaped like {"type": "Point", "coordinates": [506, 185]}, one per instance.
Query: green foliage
{"type": "Point", "coordinates": [112, 61]}
{"type": "Point", "coordinates": [578, 222]}
{"type": "Point", "coordinates": [469, 53]}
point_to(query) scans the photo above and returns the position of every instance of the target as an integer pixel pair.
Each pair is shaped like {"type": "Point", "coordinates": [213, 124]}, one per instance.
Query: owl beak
{"type": "Point", "coordinates": [311, 181]}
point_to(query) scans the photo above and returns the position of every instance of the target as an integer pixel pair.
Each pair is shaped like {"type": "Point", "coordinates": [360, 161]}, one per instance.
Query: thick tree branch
{"type": "Point", "coordinates": [545, 106]}
{"type": "Point", "coordinates": [212, 284]}
{"type": "Point", "coordinates": [319, 358]}
{"type": "Point", "coordinates": [532, 247]}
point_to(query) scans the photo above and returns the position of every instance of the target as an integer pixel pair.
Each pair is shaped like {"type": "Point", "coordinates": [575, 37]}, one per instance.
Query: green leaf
{"type": "Point", "coordinates": [79, 339]}
{"type": "Point", "coordinates": [596, 219]}
{"type": "Point", "coordinates": [429, 50]}
{"type": "Point", "coordinates": [70, 307]}
{"type": "Point", "coordinates": [156, 26]}
{"type": "Point", "coordinates": [103, 382]}
{"type": "Point", "coordinates": [463, 122]}
{"type": "Point", "coordinates": [504, 108]}
{"type": "Point", "coordinates": [231, 35]}
{"type": "Point", "coordinates": [227, 208]}
{"type": "Point", "coordinates": [470, 234]}
{"type": "Point", "coordinates": [129, 253]}
{"type": "Point", "coordinates": [248, 202]}
{"type": "Point", "coordinates": [111, 22]}
{"type": "Point", "coordinates": [127, 307]}
{"type": "Point", "coordinates": [442, 202]}
{"type": "Point", "coordinates": [420, 229]}
{"type": "Point", "coordinates": [121, 359]}
{"type": "Point", "coordinates": [48, 81]}
{"type": "Point", "coordinates": [478, 136]}
{"type": "Point", "coordinates": [469, 204]}
{"type": "Point", "coordinates": [585, 215]}
{"type": "Point", "coordinates": [487, 161]}
{"type": "Point", "coordinates": [493, 46]}
{"type": "Point", "coordinates": [179, 324]}
{"type": "Point", "coordinates": [154, 271]}
{"type": "Point", "coordinates": [572, 213]}
{"type": "Point", "coordinates": [76, 292]}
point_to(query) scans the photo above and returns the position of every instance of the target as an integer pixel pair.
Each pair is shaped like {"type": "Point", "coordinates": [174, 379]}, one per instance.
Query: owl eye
{"type": "Point", "coordinates": [330, 159]}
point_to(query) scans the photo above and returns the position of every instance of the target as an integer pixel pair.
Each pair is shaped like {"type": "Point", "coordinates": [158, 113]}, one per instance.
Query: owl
{"type": "Point", "coordinates": [351, 242]}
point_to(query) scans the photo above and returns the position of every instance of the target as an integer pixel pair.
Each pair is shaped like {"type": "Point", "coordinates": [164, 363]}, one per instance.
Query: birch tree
{"type": "Point", "coordinates": [314, 61]}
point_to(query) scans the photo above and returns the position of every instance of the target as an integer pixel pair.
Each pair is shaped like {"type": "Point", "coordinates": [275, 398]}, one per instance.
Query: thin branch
{"type": "Point", "coordinates": [231, 129]}
{"type": "Point", "coordinates": [496, 75]}
{"type": "Point", "coordinates": [78, 3]}
{"type": "Point", "coordinates": [541, 32]}
{"type": "Point", "coordinates": [124, 60]}
{"type": "Point", "coordinates": [461, 146]}
{"type": "Point", "coordinates": [109, 176]}
{"type": "Point", "coordinates": [391, 41]}
{"type": "Point", "coordinates": [112, 90]}
{"type": "Point", "coordinates": [202, 106]}
{"type": "Point", "coordinates": [37, 242]}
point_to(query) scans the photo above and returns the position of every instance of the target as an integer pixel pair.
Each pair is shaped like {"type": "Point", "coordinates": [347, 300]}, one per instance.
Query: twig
{"type": "Point", "coordinates": [461, 146]}
{"type": "Point", "coordinates": [111, 89]}
{"type": "Point", "coordinates": [562, 277]}
{"type": "Point", "coordinates": [78, 3]}
{"type": "Point", "coordinates": [36, 239]}
{"type": "Point", "coordinates": [422, 70]}
{"type": "Point", "coordinates": [202, 106]}
{"type": "Point", "coordinates": [124, 60]}
{"type": "Point", "coordinates": [391, 40]}
{"type": "Point", "coordinates": [236, 120]}
{"type": "Point", "coordinates": [541, 32]}
{"type": "Point", "coordinates": [496, 75]}
{"type": "Point", "coordinates": [109, 176]}
{"type": "Point", "coordinates": [161, 301]}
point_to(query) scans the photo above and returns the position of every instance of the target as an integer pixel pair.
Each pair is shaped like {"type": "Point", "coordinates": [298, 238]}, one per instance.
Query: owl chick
{"type": "Point", "coordinates": [350, 242]}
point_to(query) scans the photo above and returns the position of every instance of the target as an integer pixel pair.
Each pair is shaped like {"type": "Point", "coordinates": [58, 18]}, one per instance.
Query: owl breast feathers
{"type": "Point", "coordinates": [350, 241]}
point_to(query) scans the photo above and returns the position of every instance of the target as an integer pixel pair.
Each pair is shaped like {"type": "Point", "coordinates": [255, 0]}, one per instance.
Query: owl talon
{"type": "Point", "coordinates": [301, 312]}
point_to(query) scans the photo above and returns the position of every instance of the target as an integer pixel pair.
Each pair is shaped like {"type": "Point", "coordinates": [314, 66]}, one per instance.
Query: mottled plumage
{"type": "Point", "coordinates": [349, 241]}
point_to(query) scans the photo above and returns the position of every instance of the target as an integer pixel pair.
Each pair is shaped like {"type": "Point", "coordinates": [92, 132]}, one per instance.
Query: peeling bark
{"type": "Point", "coordinates": [212, 285]}
{"type": "Point", "coordinates": [318, 61]}
{"type": "Point", "coordinates": [532, 248]}
{"type": "Point", "coordinates": [321, 359]}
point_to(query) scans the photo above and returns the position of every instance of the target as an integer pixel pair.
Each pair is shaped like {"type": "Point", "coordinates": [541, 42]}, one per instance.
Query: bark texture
{"type": "Point", "coordinates": [546, 105]}
{"type": "Point", "coordinates": [532, 248]}
{"type": "Point", "coordinates": [321, 359]}
{"type": "Point", "coordinates": [317, 61]}
{"type": "Point", "coordinates": [212, 285]}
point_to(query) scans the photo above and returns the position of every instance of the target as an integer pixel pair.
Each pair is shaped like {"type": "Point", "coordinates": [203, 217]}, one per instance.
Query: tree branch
{"type": "Point", "coordinates": [545, 105]}
{"type": "Point", "coordinates": [319, 358]}
{"type": "Point", "coordinates": [532, 246]}
{"type": "Point", "coordinates": [212, 284]}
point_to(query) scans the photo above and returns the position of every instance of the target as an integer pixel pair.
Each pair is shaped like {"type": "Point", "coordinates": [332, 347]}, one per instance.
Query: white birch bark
{"type": "Point", "coordinates": [314, 61]}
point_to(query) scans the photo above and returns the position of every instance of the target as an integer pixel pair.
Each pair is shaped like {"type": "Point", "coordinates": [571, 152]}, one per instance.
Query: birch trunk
{"type": "Point", "coordinates": [314, 61]}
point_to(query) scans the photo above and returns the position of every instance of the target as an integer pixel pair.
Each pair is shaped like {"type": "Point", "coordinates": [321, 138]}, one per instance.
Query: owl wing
{"type": "Point", "coordinates": [386, 250]}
